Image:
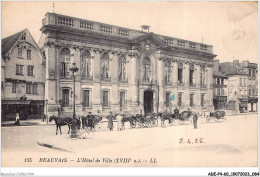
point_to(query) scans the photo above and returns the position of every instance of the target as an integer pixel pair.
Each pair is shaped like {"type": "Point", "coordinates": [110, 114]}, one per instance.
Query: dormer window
{"type": "Point", "coordinates": [23, 37]}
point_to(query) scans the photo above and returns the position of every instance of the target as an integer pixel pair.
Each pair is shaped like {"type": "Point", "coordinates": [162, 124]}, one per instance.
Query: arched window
{"type": "Point", "coordinates": [146, 69]}
{"type": "Point", "coordinates": [86, 64]}
{"type": "Point", "coordinates": [122, 69]}
{"type": "Point", "coordinates": [202, 76]}
{"type": "Point", "coordinates": [65, 63]}
{"type": "Point", "coordinates": [167, 73]}
{"type": "Point", "coordinates": [105, 66]}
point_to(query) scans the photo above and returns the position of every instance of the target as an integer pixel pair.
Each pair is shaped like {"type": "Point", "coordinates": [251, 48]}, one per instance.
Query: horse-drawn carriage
{"type": "Point", "coordinates": [149, 120]}
{"type": "Point", "coordinates": [215, 116]}
{"type": "Point", "coordinates": [178, 118]}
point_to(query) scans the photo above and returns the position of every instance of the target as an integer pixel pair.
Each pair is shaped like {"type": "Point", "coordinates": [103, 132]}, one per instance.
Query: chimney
{"type": "Point", "coordinates": [216, 65]}
{"type": "Point", "coordinates": [145, 27]}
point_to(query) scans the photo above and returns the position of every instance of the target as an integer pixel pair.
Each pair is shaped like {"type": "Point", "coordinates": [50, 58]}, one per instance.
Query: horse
{"type": "Point", "coordinates": [91, 122]}
{"type": "Point", "coordinates": [62, 121]}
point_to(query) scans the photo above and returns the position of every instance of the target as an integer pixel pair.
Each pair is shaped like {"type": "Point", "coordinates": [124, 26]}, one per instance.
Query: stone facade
{"type": "Point", "coordinates": [122, 69]}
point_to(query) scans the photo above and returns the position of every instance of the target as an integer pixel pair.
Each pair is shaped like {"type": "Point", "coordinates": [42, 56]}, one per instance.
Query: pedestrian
{"type": "Point", "coordinates": [119, 119]}
{"type": "Point", "coordinates": [110, 121]}
{"type": "Point", "coordinates": [176, 112]}
{"type": "Point", "coordinates": [17, 118]}
{"type": "Point", "coordinates": [163, 119]}
{"type": "Point", "coordinates": [195, 119]}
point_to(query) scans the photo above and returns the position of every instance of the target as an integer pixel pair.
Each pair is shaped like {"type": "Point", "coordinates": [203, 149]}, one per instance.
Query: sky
{"type": "Point", "coordinates": [231, 27]}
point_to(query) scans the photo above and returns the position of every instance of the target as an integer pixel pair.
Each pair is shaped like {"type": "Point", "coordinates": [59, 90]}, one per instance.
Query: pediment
{"type": "Point", "coordinates": [151, 39]}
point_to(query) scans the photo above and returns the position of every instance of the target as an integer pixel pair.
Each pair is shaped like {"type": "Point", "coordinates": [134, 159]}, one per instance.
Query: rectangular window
{"type": "Point", "coordinates": [105, 99]}
{"type": "Point", "coordinates": [19, 69]}
{"type": "Point", "coordinates": [240, 83]}
{"type": "Point", "coordinates": [253, 92]}
{"type": "Point", "coordinates": [202, 100]}
{"type": "Point", "coordinates": [222, 92]}
{"type": "Point", "coordinates": [122, 100]}
{"type": "Point", "coordinates": [35, 88]}
{"type": "Point", "coordinates": [65, 98]}
{"type": "Point", "coordinates": [29, 56]}
{"type": "Point", "coordinates": [191, 100]}
{"type": "Point", "coordinates": [218, 81]}
{"type": "Point", "coordinates": [179, 99]}
{"type": "Point", "coordinates": [253, 72]}
{"type": "Point", "coordinates": [218, 92]}
{"type": "Point", "coordinates": [249, 92]}
{"type": "Point", "coordinates": [86, 96]}
{"type": "Point", "coordinates": [30, 70]}
{"type": "Point", "coordinates": [244, 81]}
{"type": "Point", "coordinates": [29, 88]}
{"type": "Point", "coordinates": [222, 81]}
{"type": "Point", "coordinates": [249, 72]}
{"type": "Point", "coordinates": [167, 97]}
{"type": "Point", "coordinates": [180, 75]}
{"type": "Point", "coordinates": [13, 87]}
{"type": "Point", "coordinates": [20, 51]}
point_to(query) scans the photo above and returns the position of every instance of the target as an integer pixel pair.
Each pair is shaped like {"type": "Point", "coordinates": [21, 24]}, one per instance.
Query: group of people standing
{"type": "Point", "coordinates": [119, 119]}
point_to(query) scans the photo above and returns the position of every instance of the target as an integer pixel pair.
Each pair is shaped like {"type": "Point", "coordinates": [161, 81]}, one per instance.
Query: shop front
{"type": "Point", "coordinates": [29, 109]}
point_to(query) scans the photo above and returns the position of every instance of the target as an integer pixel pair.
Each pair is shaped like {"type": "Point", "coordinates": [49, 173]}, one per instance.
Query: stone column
{"type": "Point", "coordinates": [174, 78]}
{"type": "Point", "coordinates": [197, 98]}
{"type": "Point", "coordinates": [186, 94]}
{"type": "Point", "coordinates": [209, 76]}
{"type": "Point", "coordinates": [51, 75]}
{"type": "Point", "coordinates": [132, 80]}
{"type": "Point", "coordinates": [114, 79]}
{"type": "Point", "coordinates": [96, 78]}
{"type": "Point", "coordinates": [160, 76]}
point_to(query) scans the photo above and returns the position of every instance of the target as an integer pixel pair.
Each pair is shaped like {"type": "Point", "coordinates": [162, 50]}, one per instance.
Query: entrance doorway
{"type": "Point", "coordinates": [148, 102]}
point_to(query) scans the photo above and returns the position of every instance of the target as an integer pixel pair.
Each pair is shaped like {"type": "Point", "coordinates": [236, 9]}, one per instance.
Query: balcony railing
{"type": "Point", "coordinates": [87, 77]}
{"type": "Point", "coordinates": [108, 79]}
{"type": "Point", "coordinates": [122, 80]}
{"type": "Point", "coordinates": [219, 86]}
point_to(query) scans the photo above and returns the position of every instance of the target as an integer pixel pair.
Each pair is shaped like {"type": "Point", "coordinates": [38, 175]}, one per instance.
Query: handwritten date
{"type": "Point", "coordinates": [192, 141]}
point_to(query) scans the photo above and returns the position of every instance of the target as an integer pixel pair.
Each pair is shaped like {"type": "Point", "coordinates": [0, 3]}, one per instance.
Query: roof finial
{"type": "Point", "coordinates": [53, 7]}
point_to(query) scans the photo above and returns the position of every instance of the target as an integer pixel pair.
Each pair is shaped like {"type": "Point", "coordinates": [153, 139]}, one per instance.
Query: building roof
{"type": "Point", "coordinates": [8, 42]}
{"type": "Point", "coordinates": [229, 68]}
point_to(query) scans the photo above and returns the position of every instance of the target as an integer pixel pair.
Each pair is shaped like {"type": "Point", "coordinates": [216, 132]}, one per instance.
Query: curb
{"type": "Point", "coordinates": [53, 147]}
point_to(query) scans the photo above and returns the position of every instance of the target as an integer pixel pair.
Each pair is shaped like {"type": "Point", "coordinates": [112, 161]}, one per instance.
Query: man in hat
{"type": "Point", "coordinates": [195, 119]}
{"type": "Point", "coordinates": [110, 118]}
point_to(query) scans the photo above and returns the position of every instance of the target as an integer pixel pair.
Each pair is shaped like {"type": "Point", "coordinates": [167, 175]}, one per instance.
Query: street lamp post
{"type": "Point", "coordinates": [74, 133]}
{"type": "Point", "coordinates": [46, 108]}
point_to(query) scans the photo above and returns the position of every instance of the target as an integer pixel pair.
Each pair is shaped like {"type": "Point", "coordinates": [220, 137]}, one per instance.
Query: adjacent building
{"type": "Point", "coordinates": [220, 89]}
{"type": "Point", "coordinates": [122, 69]}
{"type": "Point", "coordinates": [242, 85]}
{"type": "Point", "coordinates": [22, 78]}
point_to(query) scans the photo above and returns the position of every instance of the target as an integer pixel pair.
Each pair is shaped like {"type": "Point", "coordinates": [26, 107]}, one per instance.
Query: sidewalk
{"type": "Point", "coordinates": [28, 122]}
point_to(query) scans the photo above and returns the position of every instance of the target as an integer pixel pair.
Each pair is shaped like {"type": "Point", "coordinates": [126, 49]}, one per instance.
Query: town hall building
{"type": "Point", "coordinates": [122, 69]}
